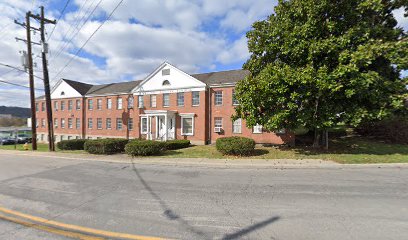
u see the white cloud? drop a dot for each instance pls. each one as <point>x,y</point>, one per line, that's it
<point>237,52</point>
<point>402,20</point>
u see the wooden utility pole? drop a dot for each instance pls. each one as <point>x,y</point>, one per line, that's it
<point>43,21</point>
<point>31,80</point>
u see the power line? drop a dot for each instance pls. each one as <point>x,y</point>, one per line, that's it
<point>62,13</point>
<point>19,85</point>
<point>89,38</point>
<point>18,69</point>
<point>66,44</point>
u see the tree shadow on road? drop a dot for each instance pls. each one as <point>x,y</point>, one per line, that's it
<point>242,232</point>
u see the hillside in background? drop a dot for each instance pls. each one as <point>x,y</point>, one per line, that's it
<point>16,111</point>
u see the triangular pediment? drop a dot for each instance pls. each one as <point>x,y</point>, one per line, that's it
<point>167,78</point>
<point>64,90</point>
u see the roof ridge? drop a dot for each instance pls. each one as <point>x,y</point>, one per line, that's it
<point>231,70</point>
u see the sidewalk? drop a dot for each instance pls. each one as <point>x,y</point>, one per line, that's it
<point>205,162</point>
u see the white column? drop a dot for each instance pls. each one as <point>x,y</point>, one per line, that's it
<point>157,128</point>
<point>166,128</point>
<point>148,127</point>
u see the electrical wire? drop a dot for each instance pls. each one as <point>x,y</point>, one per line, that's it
<point>18,69</point>
<point>89,38</point>
<point>19,85</point>
<point>62,13</point>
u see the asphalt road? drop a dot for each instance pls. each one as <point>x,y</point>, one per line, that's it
<point>205,202</point>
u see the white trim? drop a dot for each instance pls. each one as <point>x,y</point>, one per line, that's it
<point>192,125</point>
<point>172,90</point>
<point>187,114</point>
<point>222,85</point>
<point>141,125</point>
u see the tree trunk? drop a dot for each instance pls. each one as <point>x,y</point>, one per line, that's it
<point>316,140</point>
<point>325,139</point>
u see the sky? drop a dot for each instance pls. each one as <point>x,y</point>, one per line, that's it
<point>195,35</point>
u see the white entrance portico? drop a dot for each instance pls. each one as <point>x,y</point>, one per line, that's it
<point>165,128</point>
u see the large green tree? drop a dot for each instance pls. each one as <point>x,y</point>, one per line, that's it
<point>315,63</point>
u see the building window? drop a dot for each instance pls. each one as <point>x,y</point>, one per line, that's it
<point>36,107</point>
<point>187,125</point>
<point>119,104</point>
<point>218,98</point>
<point>99,104</point>
<point>90,123</point>
<point>237,126</point>
<point>42,122</point>
<point>62,105</point>
<point>62,122</point>
<point>140,101</point>
<point>56,106</point>
<point>143,125</point>
<point>69,137</point>
<point>130,102</point>
<point>90,104</point>
<point>218,122</point>
<point>180,99</point>
<point>257,128</point>
<point>234,98</point>
<point>69,105</point>
<point>43,106</point>
<point>56,122</point>
<point>78,104</point>
<point>195,98</point>
<point>118,123</point>
<point>99,123</point>
<point>166,100</point>
<point>108,123</point>
<point>109,103</point>
<point>153,101</point>
<point>77,123</point>
<point>69,122</point>
<point>77,137</point>
<point>130,124</point>
<point>42,137</point>
<point>166,83</point>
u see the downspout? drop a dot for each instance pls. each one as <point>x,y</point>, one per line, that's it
<point>209,115</point>
<point>83,118</point>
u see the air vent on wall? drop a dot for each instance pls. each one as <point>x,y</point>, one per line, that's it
<point>165,72</point>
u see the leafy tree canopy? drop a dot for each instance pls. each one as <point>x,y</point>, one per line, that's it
<point>315,63</point>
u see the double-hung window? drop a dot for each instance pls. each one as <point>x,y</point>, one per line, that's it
<point>118,123</point>
<point>180,99</point>
<point>90,123</point>
<point>69,105</point>
<point>130,124</point>
<point>108,123</point>
<point>153,101</point>
<point>237,126</point>
<point>195,101</point>
<point>218,98</point>
<point>99,123</point>
<point>119,104</point>
<point>69,122</point>
<point>43,106</point>
<point>130,102</point>
<point>78,104</point>
<point>143,125</point>
<point>56,106</point>
<point>140,101</point>
<point>99,104</point>
<point>218,122</point>
<point>77,123</point>
<point>109,103</point>
<point>234,98</point>
<point>62,122</point>
<point>36,107</point>
<point>257,128</point>
<point>56,122</point>
<point>62,105</point>
<point>187,125</point>
<point>166,99</point>
<point>90,104</point>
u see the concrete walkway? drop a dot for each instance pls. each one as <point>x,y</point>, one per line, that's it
<point>204,162</point>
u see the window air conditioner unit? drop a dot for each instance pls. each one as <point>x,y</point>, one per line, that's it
<point>217,129</point>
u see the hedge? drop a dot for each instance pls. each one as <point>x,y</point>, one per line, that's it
<point>235,145</point>
<point>105,146</point>
<point>177,144</point>
<point>74,144</point>
<point>145,148</point>
<point>393,129</point>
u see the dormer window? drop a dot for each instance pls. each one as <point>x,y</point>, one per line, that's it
<point>166,83</point>
<point>165,72</point>
<point>62,93</point>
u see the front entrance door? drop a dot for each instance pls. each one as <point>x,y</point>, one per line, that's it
<point>162,128</point>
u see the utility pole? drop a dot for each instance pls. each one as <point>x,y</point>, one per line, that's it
<point>43,21</point>
<point>29,66</point>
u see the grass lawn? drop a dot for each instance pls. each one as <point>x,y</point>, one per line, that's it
<point>41,147</point>
<point>342,150</point>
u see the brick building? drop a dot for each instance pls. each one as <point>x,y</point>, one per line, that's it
<point>167,104</point>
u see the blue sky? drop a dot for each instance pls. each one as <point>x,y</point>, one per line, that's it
<point>196,36</point>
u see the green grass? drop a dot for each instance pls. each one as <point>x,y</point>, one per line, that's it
<point>344,150</point>
<point>41,147</point>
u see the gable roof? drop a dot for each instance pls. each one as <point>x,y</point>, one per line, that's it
<point>80,87</point>
<point>224,77</point>
<point>111,88</point>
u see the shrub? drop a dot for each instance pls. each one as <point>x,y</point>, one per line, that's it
<point>105,146</point>
<point>144,148</point>
<point>394,129</point>
<point>74,144</point>
<point>235,145</point>
<point>177,144</point>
